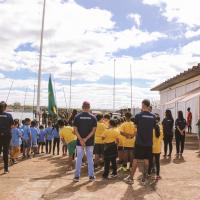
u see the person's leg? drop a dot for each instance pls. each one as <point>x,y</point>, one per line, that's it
<point>170,145</point>
<point>177,143</point>
<point>54,145</point>
<point>50,146</point>
<point>58,146</point>
<point>106,167</point>
<point>182,143</point>
<point>6,143</point>
<point>150,164</point>
<point>157,161</point>
<point>89,154</point>
<point>165,146</point>
<point>146,167</point>
<point>47,146</point>
<point>114,165</point>
<point>134,167</point>
<point>125,159</point>
<point>79,158</point>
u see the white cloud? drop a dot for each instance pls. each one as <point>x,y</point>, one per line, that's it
<point>181,11</point>
<point>191,33</point>
<point>135,17</point>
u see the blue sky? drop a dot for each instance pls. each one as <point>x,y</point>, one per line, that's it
<point>158,38</point>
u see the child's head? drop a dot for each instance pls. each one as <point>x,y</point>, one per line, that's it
<point>33,123</point>
<point>16,123</point>
<point>112,123</point>
<point>157,117</point>
<point>128,116</point>
<point>61,123</point>
<point>41,127</point>
<point>27,121</point>
<point>99,117</point>
<point>107,117</point>
<point>49,123</point>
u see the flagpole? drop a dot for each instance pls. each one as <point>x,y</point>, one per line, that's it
<point>40,63</point>
<point>9,91</point>
<point>114,87</point>
<point>34,101</point>
<point>131,83</point>
<point>65,97</point>
<point>24,103</point>
<point>70,87</point>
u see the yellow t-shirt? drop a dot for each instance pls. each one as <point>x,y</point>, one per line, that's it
<point>157,142</point>
<point>106,123</point>
<point>110,135</point>
<point>129,129</point>
<point>101,127</point>
<point>67,133</point>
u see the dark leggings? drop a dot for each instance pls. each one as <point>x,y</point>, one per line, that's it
<point>154,158</point>
<point>189,129</point>
<point>56,142</point>
<point>168,142</point>
<point>4,144</point>
<point>180,141</point>
<point>107,162</point>
<point>48,146</point>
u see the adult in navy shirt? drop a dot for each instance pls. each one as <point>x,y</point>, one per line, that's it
<point>6,122</point>
<point>145,123</point>
<point>85,126</point>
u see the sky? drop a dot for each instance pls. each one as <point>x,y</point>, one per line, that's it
<point>157,38</point>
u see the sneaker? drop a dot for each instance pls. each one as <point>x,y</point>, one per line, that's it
<point>76,179</point>
<point>92,178</point>
<point>124,169</point>
<point>129,180</point>
<point>113,175</point>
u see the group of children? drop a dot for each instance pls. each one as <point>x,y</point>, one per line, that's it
<point>115,138</point>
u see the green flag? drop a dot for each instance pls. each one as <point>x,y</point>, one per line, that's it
<point>52,108</point>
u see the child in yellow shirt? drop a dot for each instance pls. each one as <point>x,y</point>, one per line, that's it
<point>68,136</point>
<point>99,144</point>
<point>128,132</point>
<point>156,150</point>
<point>110,138</point>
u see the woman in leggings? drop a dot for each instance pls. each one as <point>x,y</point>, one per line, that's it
<point>168,124</point>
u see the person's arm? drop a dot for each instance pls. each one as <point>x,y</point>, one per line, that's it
<point>79,137</point>
<point>90,135</point>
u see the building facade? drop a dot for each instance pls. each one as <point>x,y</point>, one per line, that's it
<point>181,92</point>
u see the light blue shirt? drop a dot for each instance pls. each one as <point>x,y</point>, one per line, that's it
<point>49,133</point>
<point>55,133</point>
<point>16,137</point>
<point>26,132</point>
<point>34,133</point>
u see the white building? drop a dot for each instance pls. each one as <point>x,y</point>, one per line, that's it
<point>181,92</point>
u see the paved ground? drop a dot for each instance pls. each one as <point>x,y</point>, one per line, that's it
<point>45,178</point>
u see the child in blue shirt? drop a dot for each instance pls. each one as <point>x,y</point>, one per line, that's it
<point>49,137</point>
<point>34,138</point>
<point>41,139</point>
<point>26,138</point>
<point>15,141</point>
<point>56,139</point>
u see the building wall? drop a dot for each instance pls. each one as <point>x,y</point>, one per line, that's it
<point>177,91</point>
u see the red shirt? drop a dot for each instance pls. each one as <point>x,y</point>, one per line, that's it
<point>189,118</point>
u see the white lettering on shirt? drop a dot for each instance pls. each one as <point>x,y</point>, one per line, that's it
<point>85,118</point>
<point>147,116</point>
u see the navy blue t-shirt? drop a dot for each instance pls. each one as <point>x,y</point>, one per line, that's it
<point>145,122</point>
<point>6,121</point>
<point>85,122</point>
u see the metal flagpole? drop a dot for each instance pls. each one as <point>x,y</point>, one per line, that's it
<point>34,102</point>
<point>114,87</point>
<point>40,63</point>
<point>9,91</point>
<point>131,82</point>
<point>70,87</point>
<point>24,103</point>
<point>65,97</point>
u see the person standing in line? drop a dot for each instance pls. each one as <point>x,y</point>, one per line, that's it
<point>168,124</point>
<point>85,126</point>
<point>56,139</point>
<point>41,139</point>
<point>34,138</point>
<point>15,142</point>
<point>180,126</point>
<point>6,123</point>
<point>145,123</point>
<point>99,145</point>
<point>49,137</point>
<point>189,120</point>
